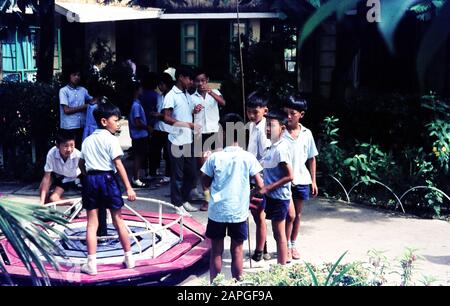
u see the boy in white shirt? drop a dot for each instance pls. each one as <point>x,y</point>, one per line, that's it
<point>61,168</point>
<point>303,151</point>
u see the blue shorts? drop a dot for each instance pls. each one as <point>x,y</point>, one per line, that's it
<point>218,230</point>
<point>300,192</point>
<point>101,190</point>
<point>276,209</point>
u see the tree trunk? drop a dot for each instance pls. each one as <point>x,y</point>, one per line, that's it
<point>46,45</point>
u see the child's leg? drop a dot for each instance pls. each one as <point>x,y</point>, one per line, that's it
<point>279,234</point>
<point>119,224</point>
<point>91,231</point>
<point>290,220</point>
<point>261,228</point>
<point>298,204</point>
<point>136,165</point>
<point>215,258</point>
<point>56,194</point>
<point>237,258</point>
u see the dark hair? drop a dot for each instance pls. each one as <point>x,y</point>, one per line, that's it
<point>184,70</point>
<point>149,80</point>
<point>64,136</point>
<point>200,71</point>
<point>279,115</point>
<point>296,102</point>
<point>230,118</point>
<point>257,99</point>
<point>105,110</point>
<point>166,79</point>
<point>134,86</point>
<point>70,69</point>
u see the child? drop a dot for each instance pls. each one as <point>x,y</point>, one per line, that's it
<point>100,158</point>
<point>208,100</point>
<point>227,173</point>
<point>277,176</point>
<point>97,92</point>
<point>61,168</point>
<point>256,108</point>
<point>303,150</point>
<point>178,110</point>
<point>158,141</point>
<point>139,135</point>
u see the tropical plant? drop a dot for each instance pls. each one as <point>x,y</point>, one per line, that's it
<point>28,228</point>
<point>331,154</point>
<point>392,13</point>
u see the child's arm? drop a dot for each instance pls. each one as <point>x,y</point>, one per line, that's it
<point>172,121</point>
<point>139,123</point>
<point>219,99</point>
<point>288,177</point>
<point>312,170</point>
<point>44,187</point>
<point>123,175</point>
<point>206,181</point>
<point>82,166</point>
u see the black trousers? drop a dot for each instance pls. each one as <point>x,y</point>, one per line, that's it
<point>183,167</point>
<point>158,142</point>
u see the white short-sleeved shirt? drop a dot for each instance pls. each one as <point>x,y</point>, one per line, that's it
<point>303,148</point>
<point>73,97</point>
<point>258,141</point>
<point>277,153</point>
<point>100,149</point>
<point>182,107</point>
<point>208,118</point>
<point>68,169</point>
<point>230,170</point>
<point>160,125</point>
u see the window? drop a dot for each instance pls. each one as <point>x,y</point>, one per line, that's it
<point>19,55</point>
<point>290,55</point>
<point>189,43</point>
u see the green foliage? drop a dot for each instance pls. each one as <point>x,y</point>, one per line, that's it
<point>28,118</point>
<point>377,271</point>
<point>369,164</point>
<point>331,155</point>
<point>27,228</point>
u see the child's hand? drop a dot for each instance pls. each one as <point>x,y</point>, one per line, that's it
<point>131,194</point>
<point>198,108</point>
<point>314,189</point>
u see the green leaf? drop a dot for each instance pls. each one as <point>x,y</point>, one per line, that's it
<point>392,11</point>
<point>434,38</point>
<point>314,280</point>
<point>322,13</point>
<point>334,268</point>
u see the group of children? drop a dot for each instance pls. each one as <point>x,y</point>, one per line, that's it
<point>279,148</point>
<point>273,169</point>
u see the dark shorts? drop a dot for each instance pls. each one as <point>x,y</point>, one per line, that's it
<point>101,190</point>
<point>140,146</point>
<point>300,192</point>
<point>276,210</point>
<point>210,145</point>
<point>218,230</point>
<point>58,182</point>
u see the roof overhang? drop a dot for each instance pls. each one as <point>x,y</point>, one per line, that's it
<point>88,12</point>
<point>252,15</point>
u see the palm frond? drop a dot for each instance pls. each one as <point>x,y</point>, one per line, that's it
<point>27,229</point>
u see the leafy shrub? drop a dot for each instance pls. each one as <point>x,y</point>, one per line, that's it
<point>28,123</point>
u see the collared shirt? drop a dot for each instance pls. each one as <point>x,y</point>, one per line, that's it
<point>182,107</point>
<point>161,125</point>
<point>278,152</point>
<point>100,149</point>
<point>230,170</point>
<point>208,118</point>
<point>73,97</point>
<point>303,148</point>
<point>258,141</point>
<point>137,111</point>
<point>68,169</point>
